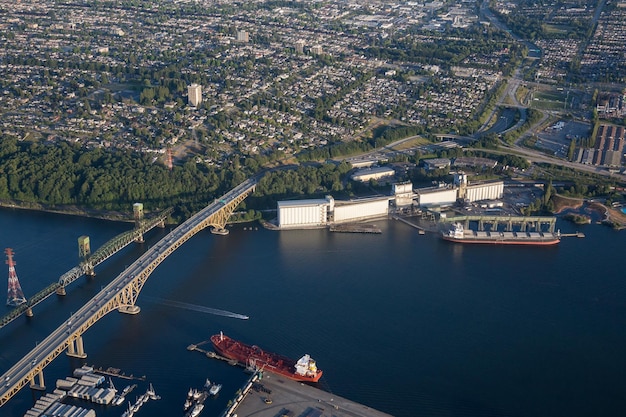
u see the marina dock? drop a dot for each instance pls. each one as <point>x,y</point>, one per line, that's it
<point>118,373</point>
<point>275,396</point>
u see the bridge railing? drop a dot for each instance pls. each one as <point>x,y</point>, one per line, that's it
<point>121,291</point>
<point>111,247</point>
<point>13,314</point>
<point>99,256</point>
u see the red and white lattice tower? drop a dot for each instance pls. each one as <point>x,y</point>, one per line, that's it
<point>15,295</point>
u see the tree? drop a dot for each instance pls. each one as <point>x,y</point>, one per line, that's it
<point>571,149</point>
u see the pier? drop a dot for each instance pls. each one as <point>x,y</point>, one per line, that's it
<point>577,234</point>
<point>117,373</point>
<point>270,395</point>
<point>210,353</point>
<point>420,230</point>
<point>273,395</point>
<point>355,228</point>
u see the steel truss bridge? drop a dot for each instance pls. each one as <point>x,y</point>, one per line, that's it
<point>121,294</point>
<point>87,266</point>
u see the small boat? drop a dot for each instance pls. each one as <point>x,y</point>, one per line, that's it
<point>151,394</point>
<point>197,409</point>
<point>215,388</point>
<point>129,412</point>
<point>207,384</point>
<point>196,394</point>
<point>127,389</point>
<point>118,400</point>
<point>137,405</point>
<point>190,393</point>
<point>188,404</point>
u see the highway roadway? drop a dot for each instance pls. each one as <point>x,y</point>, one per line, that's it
<point>122,291</point>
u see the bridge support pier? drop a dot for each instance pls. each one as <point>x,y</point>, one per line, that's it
<point>78,351</point>
<point>129,309</point>
<point>219,231</point>
<point>29,312</point>
<point>61,291</point>
<point>41,385</point>
<point>139,238</point>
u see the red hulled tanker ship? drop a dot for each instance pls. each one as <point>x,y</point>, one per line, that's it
<point>304,369</point>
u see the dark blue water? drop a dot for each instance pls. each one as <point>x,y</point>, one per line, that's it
<point>407,324</point>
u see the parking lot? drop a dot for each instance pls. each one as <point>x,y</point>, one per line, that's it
<point>556,138</point>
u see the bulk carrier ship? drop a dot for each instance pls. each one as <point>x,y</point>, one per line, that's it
<point>304,370</point>
<point>458,234</point>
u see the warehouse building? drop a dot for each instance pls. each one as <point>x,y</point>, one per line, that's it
<point>374,173</point>
<point>436,196</point>
<point>491,190</point>
<point>304,213</point>
<point>436,163</point>
<point>350,211</point>
<point>486,191</point>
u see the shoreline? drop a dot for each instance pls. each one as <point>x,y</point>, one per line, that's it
<point>565,203</point>
<point>115,216</point>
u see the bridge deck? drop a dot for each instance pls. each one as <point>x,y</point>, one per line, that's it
<point>103,253</point>
<point>121,293</point>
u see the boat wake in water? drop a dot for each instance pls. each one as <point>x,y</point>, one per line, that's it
<point>201,309</point>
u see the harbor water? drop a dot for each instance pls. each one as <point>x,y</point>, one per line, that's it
<point>405,323</point>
